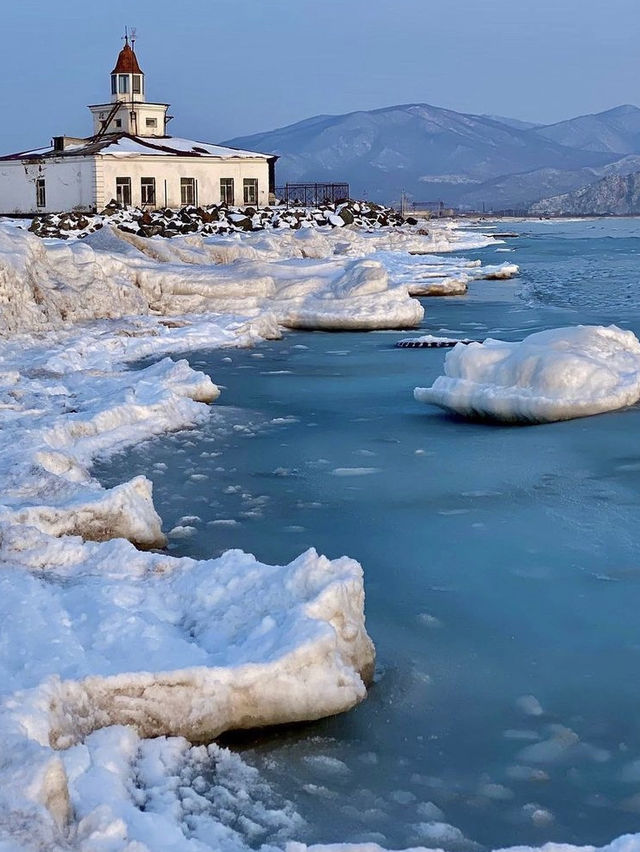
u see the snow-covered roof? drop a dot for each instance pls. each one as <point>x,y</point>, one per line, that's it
<point>173,145</point>
<point>126,145</point>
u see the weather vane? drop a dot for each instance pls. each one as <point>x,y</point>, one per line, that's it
<point>130,34</point>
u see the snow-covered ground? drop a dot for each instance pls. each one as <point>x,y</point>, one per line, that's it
<point>106,643</point>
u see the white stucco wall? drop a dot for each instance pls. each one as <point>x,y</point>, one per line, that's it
<point>137,127</point>
<point>207,173</point>
<point>89,182</point>
<point>69,185</point>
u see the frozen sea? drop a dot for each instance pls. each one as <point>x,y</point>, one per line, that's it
<point>502,563</point>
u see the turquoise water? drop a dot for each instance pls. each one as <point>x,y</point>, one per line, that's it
<point>502,564</point>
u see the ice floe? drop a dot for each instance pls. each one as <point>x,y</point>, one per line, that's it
<point>552,375</point>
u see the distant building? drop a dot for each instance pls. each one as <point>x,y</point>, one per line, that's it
<point>130,158</point>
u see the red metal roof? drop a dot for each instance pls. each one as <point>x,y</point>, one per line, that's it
<point>127,62</point>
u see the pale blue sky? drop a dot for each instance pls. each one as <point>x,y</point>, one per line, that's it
<point>230,67</point>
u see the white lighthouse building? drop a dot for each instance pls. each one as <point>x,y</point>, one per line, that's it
<point>130,158</point>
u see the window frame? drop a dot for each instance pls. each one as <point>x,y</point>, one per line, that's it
<point>151,123</point>
<point>41,193</point>
<point>227,187</point>
<point>148,191</point>
<point>186,184</point>
<point>114,84</point>
<point>136,81</point>
<point>250,187</point>
<point>121,184</point>
<point>123,84</point>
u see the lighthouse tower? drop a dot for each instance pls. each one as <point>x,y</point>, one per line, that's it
<point>128,110</point>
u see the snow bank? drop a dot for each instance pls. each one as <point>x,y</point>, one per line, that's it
<point>163,646</point>
<point>175,646</point>
<point>112,274</point>
<point>553,375</point>
<point>58,417</point>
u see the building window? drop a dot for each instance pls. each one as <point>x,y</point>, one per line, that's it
<point>187,191</point>
<point>123,191</point>
<point>137,84</point>
<point>226,191</point>
<point>118,122</point>
<point>250,186</point>
<point>148,190</point>
<point>41,193</point>
<point>114,84</point>
<point>123,84</point>
<point>151,122</point>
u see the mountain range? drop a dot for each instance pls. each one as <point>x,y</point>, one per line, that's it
<point>473,161</point>
<point>615,195</point>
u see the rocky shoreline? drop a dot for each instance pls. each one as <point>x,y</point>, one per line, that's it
<point>215,219</point>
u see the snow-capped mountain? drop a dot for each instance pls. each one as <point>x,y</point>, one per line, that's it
<point>433,153</point>
<point>615,195</point>
<point>615,131</point>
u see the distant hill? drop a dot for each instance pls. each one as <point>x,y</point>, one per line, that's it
<point>615,131</point>
<point>513,122</point>
<point>616,195</point>
<point>465,160</point>
<point>428,151</point>
<point>522,189</point>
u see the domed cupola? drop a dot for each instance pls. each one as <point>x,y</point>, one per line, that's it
<point>129,111</point>
<point>127,78</point>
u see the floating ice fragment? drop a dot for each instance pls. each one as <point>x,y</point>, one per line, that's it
<point>402,797</point>
<point>552,375</point>
<point>529,705</point>
<point>429,620</point>
<point>182,531</point>
<point>354,471</point>
<point>326,765</point>
<point>565,746</point>
<point>513,734</point>
<point>430,812</point>
<point>526,773</point>
<point>442,835</point>
<point>496,792</point>
<point>539,816</point>
<point>631,772</point>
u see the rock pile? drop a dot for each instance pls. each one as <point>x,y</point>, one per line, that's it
<point>214,219</point>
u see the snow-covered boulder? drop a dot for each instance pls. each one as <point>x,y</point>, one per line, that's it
<point>552,375</point>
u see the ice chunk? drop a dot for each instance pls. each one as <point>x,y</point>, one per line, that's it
<point>552,375</point>
<point>178,646</point>
<point>530,705</point>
